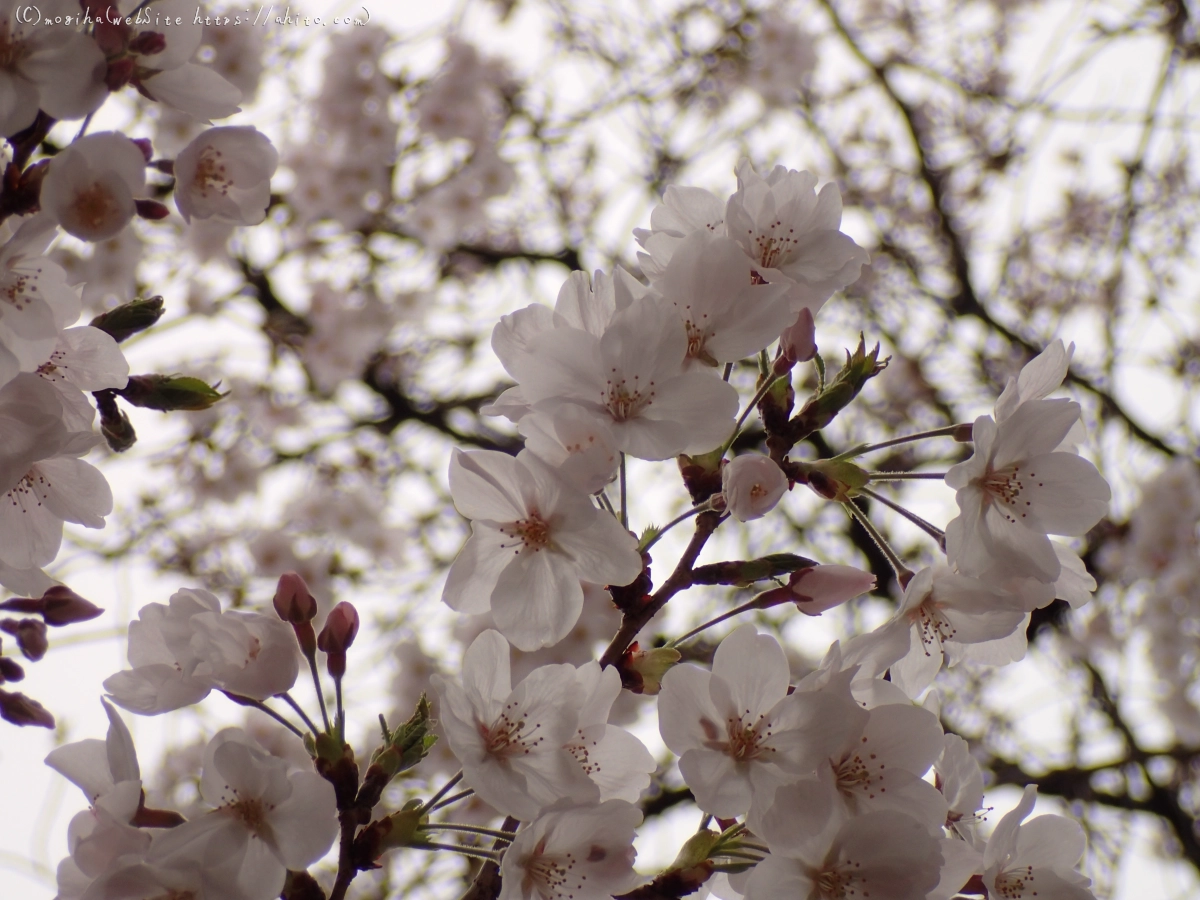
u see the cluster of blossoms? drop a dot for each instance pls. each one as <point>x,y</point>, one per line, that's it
<point>821,787</point>
<point>91,190</point>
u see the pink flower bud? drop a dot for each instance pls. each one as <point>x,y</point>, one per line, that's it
<point>798,342</point>
<point>820,588</point>
<point>62,606</point>
<point>10,670</point>
<point>752,484</point>
<point>21,710</point>
<point>336,637</point>
<point>30,635</point>
<point>293,602</point>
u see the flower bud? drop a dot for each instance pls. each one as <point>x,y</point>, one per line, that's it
<point>129,318</point>
<point>798,342</point>
<point>30,635</point>
<point>151,210</point>
<point>10,669</point>
<point>752,484</point>
<point>62,606</point>
<point>293,602</point>
<point>818,588</point>
<point>836,479</point>
<point>21,710</point>
<point>336,637</point>
<point>169,392</point>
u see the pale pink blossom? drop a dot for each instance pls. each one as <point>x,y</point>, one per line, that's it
<point>512,742</point>
<point>1035,859</point>
<point>738,732</point>
<point>225,174</point>
<point>752,484</point>
<point>90,187</point>
<point>818,852</point>
<point>266,819</point>
<point>96,767</point>
<point>573,853</point>
<point>534,537</point>
<point>615,760</point>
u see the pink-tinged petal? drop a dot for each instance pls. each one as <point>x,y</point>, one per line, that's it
<point>808,727</point>
<point>907,737</point>
<point>617,762</point>
<point>30,534</point>
<point>603,552</point>
<point>537,599</point>
<point>485,484</point>
<point>720,785</point>
<point>486,672</point>
<point>306,823</point>
<point>119,749</point>
<point>1074,584</point>
<point>563,363</point>
<point>154,689</point>
<point>959,862</point>
<point>687,717</point>
<point>1055,842</point>
<point>551,697</point>
<point>461,722</point>
<point>967,547</point>
<point>779,876</point>
<point>983,434</point>
<point>702,404</point>
<point>1025,550</point>
<point>1003,842</point>
<point>512,335</point>
<point>1064,491</point>
<point>84,764</point>
<point>890,854</point>
<point>803,821</point>
<point>917,669</point>
<point>189,840</point>
<point>473,574</point>
<point>195,90</point>
<point>1036,427</point>
<point>755,669</point>
<point>76,491</point>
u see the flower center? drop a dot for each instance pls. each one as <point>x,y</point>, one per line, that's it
<point>533,532</point>
<point>1005,486</point>
<point>550,876</point>
<point>511,735</point>
<point>626,401</point>
<point>745,741</point>
<point>94,206</point>
<point>252,812</point>
<point>1017,884</point>
<point>210,172</point>
<point>771,247</point>
<point>837,884</point>
<point>16,289</point>
<point>932,625</point>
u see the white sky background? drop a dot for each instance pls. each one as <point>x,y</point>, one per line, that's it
<point>35,804</point>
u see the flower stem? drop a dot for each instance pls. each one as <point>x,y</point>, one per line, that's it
<point>341,715</point>
<point>682,517</point>
<point>728,371</point>
<point>903,574</point>
<point>906,476</point>
<point>453,798</point>
<point>458,848</point>
<point>466,829</point>
<point>291,701</point>
<point>928,527</point>
<point>906,439</point>
<point>431,804</point>
<point>624,499</point>
<point>259,705</point>
<point>745,607</point>
<point>316,677</point>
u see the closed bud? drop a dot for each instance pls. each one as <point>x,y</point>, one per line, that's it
<point>21,710</point>
<point>798,343</point>
<point>10,669</point>
<point>129,318</point>
<point>293,602</point>
<point>151,210</point>
<point>62,606</point>
<point>169,392</point>
<point>818,588</point>
<point>335,638</point>
<point>148,43</point>
<point>31,638</point>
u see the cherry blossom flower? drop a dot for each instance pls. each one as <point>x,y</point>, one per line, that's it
<point>616,761</point>
<point>579,446</point>
<point>90,187</point>
<point>791,232</point>
<point>573,853</point>
<point>101,838</point>
<point>940,607</point>
<point>752,484</point>
<point>961,783</point>
<point>245,653</point>
<point>45,483</point>
<point>1035,859</point>
<point>728,313</point>
<point>882,766</point>
<point>738,732</point>
<point>57,69</point>
<point>1017,488</point>
<point>632,377</point>
<point>164,663</point>
<point>266,819</point>
<point>513,742</point>
<point>819,853</point>
<point>534,537</point>
<point>35,301</point>
<point>225,174</point>
<point>84,359</point>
